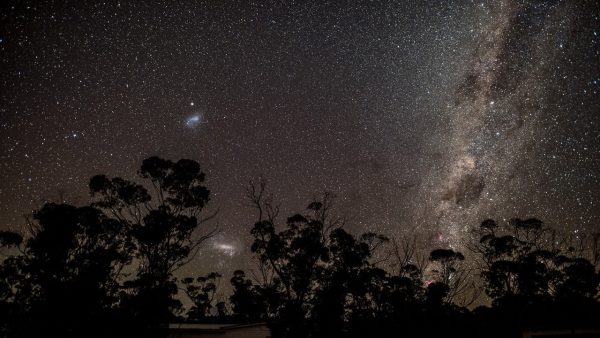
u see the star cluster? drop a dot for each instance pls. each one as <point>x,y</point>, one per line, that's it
<point>422,116</point>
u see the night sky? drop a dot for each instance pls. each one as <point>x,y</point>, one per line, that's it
<point>422,117</point>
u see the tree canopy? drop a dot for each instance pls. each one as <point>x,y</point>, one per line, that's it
<point>112,268</point>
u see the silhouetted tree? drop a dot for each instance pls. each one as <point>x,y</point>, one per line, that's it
<point>349,289</point>
<point>160,225</point>
<point>201,291</point>
<point>66,279</point>
<point>447,261</point>
<point>448,269</point>
<point>109,270</point>
<point>321,274</point>
<point>533,281</point>
<point>249,301</point>
<point>68,275</point>
<point>406,281</point>
<point>520,261</point>
<point>9,239</point>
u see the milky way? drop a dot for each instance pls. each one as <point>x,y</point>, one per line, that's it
<point>496,147</point>
<point>423,117</point>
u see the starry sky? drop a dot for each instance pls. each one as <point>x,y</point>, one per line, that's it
<point>423,117</point>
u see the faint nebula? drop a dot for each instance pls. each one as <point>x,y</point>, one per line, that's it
<point>194,120</point>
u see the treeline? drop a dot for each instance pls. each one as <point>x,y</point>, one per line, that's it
<point>109,269</point>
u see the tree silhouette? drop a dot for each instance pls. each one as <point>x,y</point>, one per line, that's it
<point>293,255</point>
<point>349,288</point>
<point>160,226</point>
<point>201,291</point>
<point>532,280</point>
<point>249,301</point>
<point>10,239</point>
<point>115,262</point>
<point>66,278</point>
<point>524,263</point>
<point>68,274</point>
<point>447,261</point>
<point>449,270</point>
<point>320,273</point>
